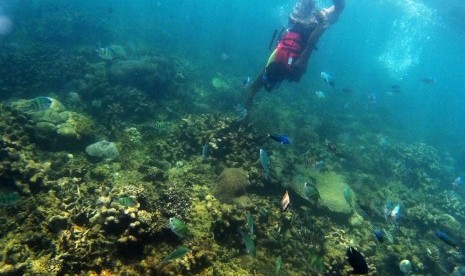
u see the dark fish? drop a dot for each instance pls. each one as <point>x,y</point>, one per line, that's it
<point>346,90</point>
<point>445,238</point>
<point>357,261</point>
<point>379,234</point>
<point>396,88</point>
<point>282,139</point>
<point>428,80</point>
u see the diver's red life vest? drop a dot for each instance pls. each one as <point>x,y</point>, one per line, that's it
<point>289,49</point>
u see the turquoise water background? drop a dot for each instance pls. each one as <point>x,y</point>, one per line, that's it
<point>375,44</point>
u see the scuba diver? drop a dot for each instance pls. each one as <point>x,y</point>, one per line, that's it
<point>290,58</point>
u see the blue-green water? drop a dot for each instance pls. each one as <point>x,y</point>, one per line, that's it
<point>155,93</point>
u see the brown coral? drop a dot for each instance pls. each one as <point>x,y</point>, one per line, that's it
<point>232,183</point>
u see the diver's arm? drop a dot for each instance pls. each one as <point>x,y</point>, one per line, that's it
<point>300,65</point>
<point>311,42</point>
<point>332,13</point>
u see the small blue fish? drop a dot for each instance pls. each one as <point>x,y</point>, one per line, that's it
<point>265,161</point>
<point>379,234</point>
<point>205,151</point>
<point>445,238</point>
<point>327,78</point>
<point>457,181</point>
<point>282,139</point>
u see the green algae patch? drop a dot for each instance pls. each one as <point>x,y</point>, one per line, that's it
<point>220,83</point>
<point>331,188</point>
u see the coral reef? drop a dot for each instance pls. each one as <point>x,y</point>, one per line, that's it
<point>153,75</point>
<point>62,213</point>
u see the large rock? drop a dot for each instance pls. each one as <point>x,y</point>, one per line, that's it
<point>53,126</point>
<point>103,150</point>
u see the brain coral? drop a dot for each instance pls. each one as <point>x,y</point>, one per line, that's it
<point>232,183</point>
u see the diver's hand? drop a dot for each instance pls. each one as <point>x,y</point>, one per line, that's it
<point>298,68</point>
